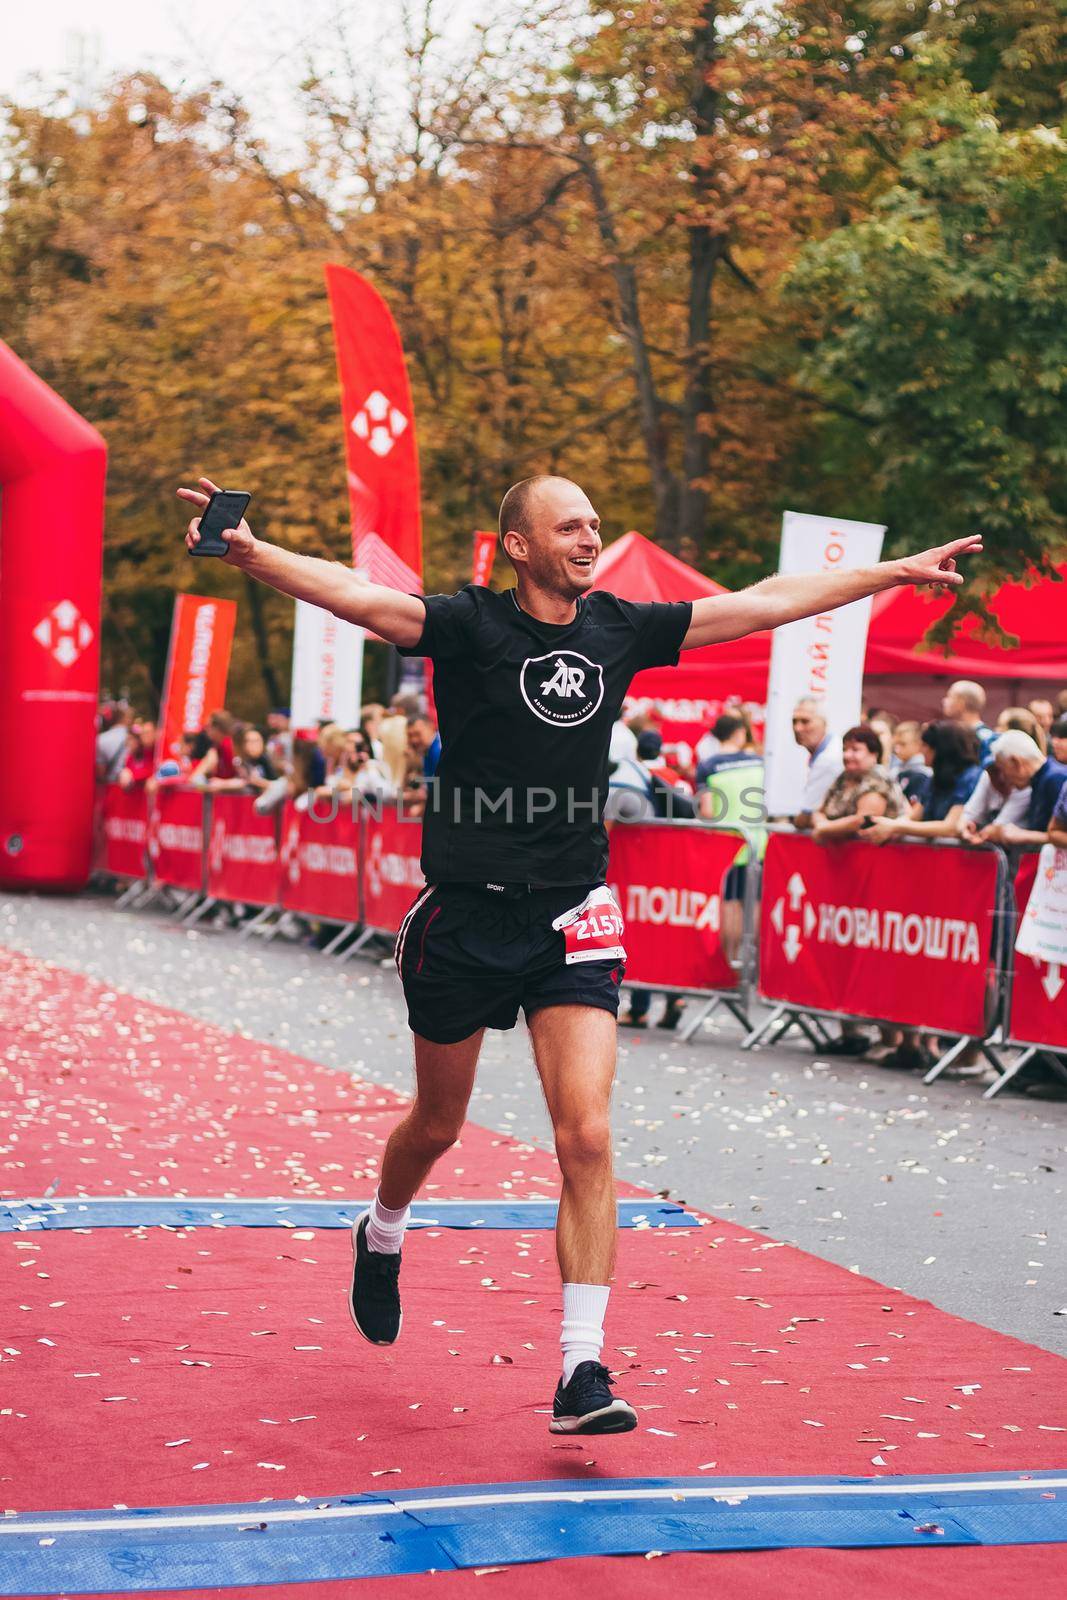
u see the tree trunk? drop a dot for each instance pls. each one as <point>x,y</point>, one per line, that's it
<point>664,485</point>
<point>259,629</point>
<point>705,250</point>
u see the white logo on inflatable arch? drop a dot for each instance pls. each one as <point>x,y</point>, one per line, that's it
<point>379,423</point>
<point>64,633</point>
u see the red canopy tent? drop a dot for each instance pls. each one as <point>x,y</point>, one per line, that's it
<point>895,672</point>
<point>1037,615</point>
<point>686,699</point>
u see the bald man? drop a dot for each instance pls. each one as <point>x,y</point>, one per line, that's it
<point>516,915</point>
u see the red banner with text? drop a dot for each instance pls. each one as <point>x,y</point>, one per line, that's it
<point>392,876</point>
<point>125,831</point>
<point>900,932</point>
<point>1039,988</point>
<point>243,860</point>
<point>176,837</point>
<point>320,861</point>
<point>482,559</point>
<point>198,664</point>
<point>668,880</point>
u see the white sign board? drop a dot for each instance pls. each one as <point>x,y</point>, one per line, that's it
<point>1043,926</point>
<point>821,656</point>
<point>327,669</point>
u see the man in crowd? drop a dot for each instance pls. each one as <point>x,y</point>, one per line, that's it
<point>424,742</point>
<point>516,914</point>
<point>111,742</point>
<point>219,761</point>
<point>964,702</point>
<point>1022,766</point>
<point>824,756</point>
<point>733,796</point>
<point>140,761</point>
<point>1057,738</point>
<point>279,738</point>
<point>911,770</point>
<point>1044,712</point>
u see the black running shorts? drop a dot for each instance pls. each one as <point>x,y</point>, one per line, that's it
<point>470,957</point>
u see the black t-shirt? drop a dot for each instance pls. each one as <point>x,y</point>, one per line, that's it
<point>526,710</point>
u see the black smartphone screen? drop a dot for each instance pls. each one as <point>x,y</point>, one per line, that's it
<point>224,510</point>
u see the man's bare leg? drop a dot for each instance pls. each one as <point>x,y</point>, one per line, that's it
<point>574,1047</point>
<point>444,1078</point>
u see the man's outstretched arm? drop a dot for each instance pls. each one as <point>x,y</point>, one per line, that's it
<point>786,598</point>
<point>390,613</point>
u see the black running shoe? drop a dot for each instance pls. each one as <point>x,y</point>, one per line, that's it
<point>585,1405</point>
<point>375,1298</point>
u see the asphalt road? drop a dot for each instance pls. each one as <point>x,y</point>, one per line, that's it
<point>930,1190</point>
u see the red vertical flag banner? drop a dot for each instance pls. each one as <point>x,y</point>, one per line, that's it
<point>379,419</point>
<point>484,551</point>
<point>198,664</point>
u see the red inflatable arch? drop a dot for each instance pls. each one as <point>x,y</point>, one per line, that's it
<point>52,469</point>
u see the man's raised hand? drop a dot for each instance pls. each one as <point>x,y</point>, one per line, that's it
<point>241,539</point>
<point>939,566</point>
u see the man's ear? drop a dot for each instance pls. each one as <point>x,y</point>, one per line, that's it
<point>515,547</point>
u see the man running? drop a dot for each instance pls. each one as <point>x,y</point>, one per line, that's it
<point>515,914</point>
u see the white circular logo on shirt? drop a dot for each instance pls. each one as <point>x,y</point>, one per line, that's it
<point>562,687</point>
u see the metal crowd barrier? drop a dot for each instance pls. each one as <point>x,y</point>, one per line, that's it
<point>386,883</point>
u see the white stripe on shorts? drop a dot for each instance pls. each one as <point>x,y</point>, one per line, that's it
<point>398,948</point>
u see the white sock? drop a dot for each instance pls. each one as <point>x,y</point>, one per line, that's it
<point>582,1337</point>
<point>385,1228</point>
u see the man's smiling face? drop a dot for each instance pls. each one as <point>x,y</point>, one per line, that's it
<point>561,548</point>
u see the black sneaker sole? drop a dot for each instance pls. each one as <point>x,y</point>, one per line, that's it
<point>351,1298</point>
<point>616,1418</point>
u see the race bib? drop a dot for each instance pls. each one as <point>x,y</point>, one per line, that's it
<point>593,931</point>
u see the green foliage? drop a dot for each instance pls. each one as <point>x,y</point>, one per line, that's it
<point>941,323</point>
<point>710,258</point>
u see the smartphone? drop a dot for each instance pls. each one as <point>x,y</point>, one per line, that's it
<point>224,510</point>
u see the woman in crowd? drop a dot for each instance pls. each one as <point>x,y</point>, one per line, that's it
<point>140,761</point>
<point>1057,738</point>
<point>952,753</point>
<point>360,773</point>
<point>863,793</point>
<point>864,790</point>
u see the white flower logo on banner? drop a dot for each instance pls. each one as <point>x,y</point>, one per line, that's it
<point>379,423</point>
<point>796,891</point>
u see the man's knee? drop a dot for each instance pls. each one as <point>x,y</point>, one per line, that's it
<point>583,1143</point>
<point>434,1131</point>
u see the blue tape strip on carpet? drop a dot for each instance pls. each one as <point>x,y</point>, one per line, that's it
<point>377,1535</point>
<point>151,1211</point>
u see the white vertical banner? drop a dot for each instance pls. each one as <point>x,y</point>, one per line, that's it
<point>327,668</point>
<point>820,656</point>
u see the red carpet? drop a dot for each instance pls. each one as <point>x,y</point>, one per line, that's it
<point>742,1356</point>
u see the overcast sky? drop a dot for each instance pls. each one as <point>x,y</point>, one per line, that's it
<point>258,46</point>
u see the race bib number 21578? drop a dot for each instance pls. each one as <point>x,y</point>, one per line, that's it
<point>594,930</point>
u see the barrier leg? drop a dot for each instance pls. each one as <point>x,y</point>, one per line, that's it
<point>737,1010</point>
<point>186,903</point>
<point>199,911</point>
<point>131,894</point>
<point>947,1059</point>
<point>699,1015</point>
<point>254,924</point>
<point>339,938</point>
<point>1007,1073</point>
<point>357,944</point>
<point>753,1038</point>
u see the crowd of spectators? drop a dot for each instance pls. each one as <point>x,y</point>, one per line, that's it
<point>390,755</point>
<point>954,778</point>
